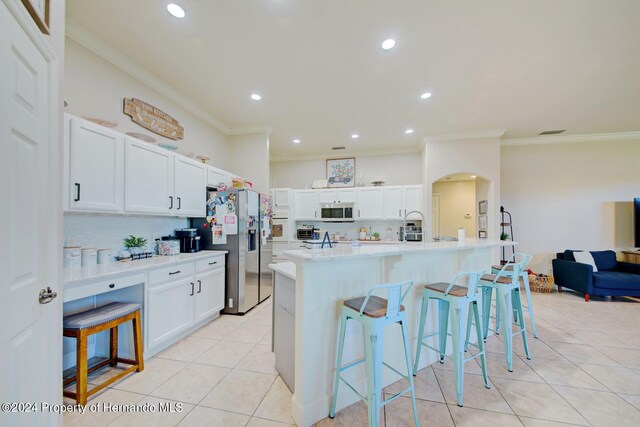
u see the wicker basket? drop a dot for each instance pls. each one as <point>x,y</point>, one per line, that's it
<point>540,283</point>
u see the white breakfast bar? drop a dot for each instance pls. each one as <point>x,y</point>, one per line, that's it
<point>326,277</point>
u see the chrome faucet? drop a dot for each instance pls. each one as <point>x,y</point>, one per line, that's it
<point>404,224</point>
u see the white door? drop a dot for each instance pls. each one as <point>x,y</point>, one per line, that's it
<point>347,195</point>
<point>413,201</point>
<point>31,215</point>
<point>281,197</point>
<point>96,158</point>
<point>327,196</point>
<point>306,206</point>
<point>216,177</point>
<point>148,183</point>
<point>170,310</point>
<point>393,203</point>
<point>190,191</point>
<point>370,203</point>
<point>209,294</point>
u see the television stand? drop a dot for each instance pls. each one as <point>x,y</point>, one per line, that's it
<point>632,256</point>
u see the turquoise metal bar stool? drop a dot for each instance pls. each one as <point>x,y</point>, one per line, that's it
<point>508,301</point>
<point>375,313</point>
<point>524,259</point>
<point>460,303</point>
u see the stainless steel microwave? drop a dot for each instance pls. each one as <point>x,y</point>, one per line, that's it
<point>336,212</point>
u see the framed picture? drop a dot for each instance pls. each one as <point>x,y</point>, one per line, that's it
<point>482,222</point>
<point>482,207</point>
<point>39,11</point>
<point>482,234</point>
<point>341,172</point>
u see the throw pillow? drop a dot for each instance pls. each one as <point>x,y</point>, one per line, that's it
<point>585,257</point>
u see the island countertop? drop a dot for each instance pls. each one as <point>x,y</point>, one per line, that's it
<point>347,250</point>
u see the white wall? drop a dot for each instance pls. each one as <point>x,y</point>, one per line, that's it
<point>394,169</point>
<point>457,199</point>
<point>95,87</point>
<point>571,195</point>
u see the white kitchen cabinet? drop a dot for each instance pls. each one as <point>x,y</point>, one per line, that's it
<point>189,187</point>
<point>393,207</point>
<point>327,196</point>
<point>95,162</point>
<point>149,182</point>
<point>412,200</point>
<point>209,294</point>
<point>306,205</point>
<point>336,195</point>
<point>216,176</point>
<point>370,203</point>
<point>347,195</point>
<point>170,311</point>
<point>281,197</point>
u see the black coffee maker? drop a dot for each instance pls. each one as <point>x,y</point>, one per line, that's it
<point>189,240</point>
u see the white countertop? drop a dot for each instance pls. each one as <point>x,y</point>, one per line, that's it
<point>287,269</point>
<point>114,269</point>
<point>346,250</point>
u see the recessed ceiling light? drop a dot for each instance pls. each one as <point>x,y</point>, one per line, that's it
<point>408,131</point>
<point>296,141</point>
<point>473,176</point>
<point>388,44</point>
<point>355,136</point>
<point>256,97</point>
<point>175,10</point>
<point>425,95</point>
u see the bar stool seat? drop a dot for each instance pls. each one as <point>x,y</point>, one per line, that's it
<point>375,313</point>
<point>107,317</point>
<point>376,307</point>
<point>502,280</point>
<point>456,290</point>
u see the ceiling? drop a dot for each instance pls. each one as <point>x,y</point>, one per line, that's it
<point>498,64</point>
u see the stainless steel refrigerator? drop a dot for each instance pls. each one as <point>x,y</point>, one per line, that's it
<point>248,277</point>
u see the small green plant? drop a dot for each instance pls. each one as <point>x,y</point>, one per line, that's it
<point>134,242</point>
<point>504,236</point>
<point>376,235</point>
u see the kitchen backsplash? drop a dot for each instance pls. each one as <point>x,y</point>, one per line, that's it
<point>350,229</point>
<point>108,231</point>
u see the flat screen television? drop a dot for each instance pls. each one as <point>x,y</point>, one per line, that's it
<point>636,221</point>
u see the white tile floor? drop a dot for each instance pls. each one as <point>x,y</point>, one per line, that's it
<point>585,371</point>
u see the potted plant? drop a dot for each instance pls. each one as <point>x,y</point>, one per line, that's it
<point>135,244</point>
<point>376,236</point>
<point>504,236</point>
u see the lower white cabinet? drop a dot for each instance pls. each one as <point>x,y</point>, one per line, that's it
<point>170,310</point>
<point>209,294</point>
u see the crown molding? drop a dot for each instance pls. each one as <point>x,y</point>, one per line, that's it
<point>564,139</point>
<point>98,46</point>
<point>345,153</point>
<point>481,134</point>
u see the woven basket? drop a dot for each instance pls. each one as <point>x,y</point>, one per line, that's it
<point>540,283</point>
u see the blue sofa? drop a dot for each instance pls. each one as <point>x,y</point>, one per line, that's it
<point>613,278</point>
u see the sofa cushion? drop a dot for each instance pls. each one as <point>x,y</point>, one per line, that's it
<point>615,280</point>
<point>568,254</point>
<point>605,260</point>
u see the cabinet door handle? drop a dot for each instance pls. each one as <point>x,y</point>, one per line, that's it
<point>359,213</point>
<point>113,285</point>
<point>315,214</point>
<point>199,286</point>
<point>192,289</point>
<point>77,199</point>
<point>214,262</point>
<point>174,272</point>
<point>400,212</point>
<point>179,203</point>
<point>171,200</point>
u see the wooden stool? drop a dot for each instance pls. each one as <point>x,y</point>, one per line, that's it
<point>82,325</point>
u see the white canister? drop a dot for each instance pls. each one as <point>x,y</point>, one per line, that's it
<point>461,235</point>
<point>104,256</point>
<point>89,257</point>
<point>72,257</point>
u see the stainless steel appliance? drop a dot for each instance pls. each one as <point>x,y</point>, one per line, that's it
<point>336,212</point>
<point>411,233</point>
<point>248,278</point>
<point>189,240</point>
<point>304,233</point>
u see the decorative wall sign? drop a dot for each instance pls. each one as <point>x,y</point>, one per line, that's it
<point>341,172</point>
<point>39,11</point>
<point>482,207</point>
<point>152,118</point>
<point>482,222</point>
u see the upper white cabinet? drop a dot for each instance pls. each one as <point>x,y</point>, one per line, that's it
<point>216,176</point>
<point>327,196</point>
<point>370,203</point>
<point>306,205</point>
<point>281,197</point>
<point>96,176</point>
<point>393,207</point>
<point>189,187</point>
<point>337,195</point>
<point>412,200</point>
<point>149,183</point>
<point>347,195</point>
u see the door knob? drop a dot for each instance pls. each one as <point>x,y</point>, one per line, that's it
<point>47,295</point>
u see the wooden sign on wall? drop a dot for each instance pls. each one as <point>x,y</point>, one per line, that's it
<point>152,118</point>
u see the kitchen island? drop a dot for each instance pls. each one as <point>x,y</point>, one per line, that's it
<point>327,276</point>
